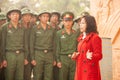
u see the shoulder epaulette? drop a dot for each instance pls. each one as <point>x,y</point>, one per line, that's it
<point>63,32</point>
<point>9,26</point>
<point>73,31</point>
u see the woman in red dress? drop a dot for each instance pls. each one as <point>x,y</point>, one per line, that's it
<point>89,51</point>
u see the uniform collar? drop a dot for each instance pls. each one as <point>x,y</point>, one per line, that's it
<point>64,31</point>
<point>10,25</point>
<point>39,26</point>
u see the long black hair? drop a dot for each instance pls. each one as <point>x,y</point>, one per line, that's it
<point>91,24</point>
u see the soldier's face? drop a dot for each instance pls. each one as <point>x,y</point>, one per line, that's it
<point>26,18</point>
<point>2,22</point>
<point>44,18</point>
<point>68,23</point>
<point>14,16</point>
<point>83,25</point>
<point>33,19</point>
<point>54,19</point>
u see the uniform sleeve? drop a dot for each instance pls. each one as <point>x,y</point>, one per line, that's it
<point>0,45</point>
<point>32,41</point>
<point>26,44</point>
<point>54,45</point>
<point>57,47</point>
<point>3,39</point>
<point>97,48</point>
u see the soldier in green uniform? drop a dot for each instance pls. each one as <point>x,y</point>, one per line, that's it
<point>66,45</point>
<point>25,22</point>
<point>42,48</point>
<point>54,23</point>
<point>2,21</point>
<point>55,20</point>
<point>33,20</point>
<point>13,45</point>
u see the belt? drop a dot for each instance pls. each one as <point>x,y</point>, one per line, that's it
<point>45,50</point>
<point>16,51</point>
<point>68,55</point>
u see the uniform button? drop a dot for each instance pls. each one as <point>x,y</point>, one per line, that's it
<point>84,61</point>
<point>82,51</point>
<point>93,64</point>
<point>85,70</point>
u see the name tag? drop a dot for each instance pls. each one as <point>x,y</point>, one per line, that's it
<point>38,32</point>
<point>63,36</point>
<point>10,31</point>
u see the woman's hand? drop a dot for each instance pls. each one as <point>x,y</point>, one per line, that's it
<point>89,55</point>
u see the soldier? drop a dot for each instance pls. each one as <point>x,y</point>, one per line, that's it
<point>54,22</point>
<point>2,21</point>
<point>42,48</point>
<point>25,20</point>
<point>77,23</point>
<point>13,46</point>
<point>33,20</point>
<point>66,45</point>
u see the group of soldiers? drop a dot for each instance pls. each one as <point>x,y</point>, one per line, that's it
<point>36,44</point>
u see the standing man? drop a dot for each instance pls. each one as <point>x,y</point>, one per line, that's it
<point>25,20</point>
<point>13,46</point>
<point>54,22</point>
<point>2,21</point>
<point>66,45</point>
<point>33,20</point>
<point>42,48</point>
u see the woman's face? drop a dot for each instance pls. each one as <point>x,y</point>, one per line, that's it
<point>83,25</point>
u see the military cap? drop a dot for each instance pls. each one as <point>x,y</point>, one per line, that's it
<point>55,13</point>
<point>25,11</point>
<point>84,13</point>
<point>78,18</point>
<point>13,9</point>
<point>67,16</point>
<point>44,12</point>
<point>2,16</point>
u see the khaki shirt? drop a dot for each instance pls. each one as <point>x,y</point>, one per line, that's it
<point>41,39</point>
<point>13,38</point>
<point>66,43</point>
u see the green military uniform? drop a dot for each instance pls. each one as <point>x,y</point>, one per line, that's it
<point>66,45</point>
<point>28,67</point>
<point>14,50</point>
<point>42,51</point>
<point>57,28</point>
<point>2,21</point>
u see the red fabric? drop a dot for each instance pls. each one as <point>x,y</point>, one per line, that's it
<point>88,69</point>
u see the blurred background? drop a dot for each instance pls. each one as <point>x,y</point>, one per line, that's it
<point>76,6</point>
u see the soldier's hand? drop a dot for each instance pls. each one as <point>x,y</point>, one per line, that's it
<point>74,55</point>
<point>1,65</point>
<point>59,64</point>
<point>54,63</point>
<point>33,62</point>
<point>4,63</point>
<point>26,62</point>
